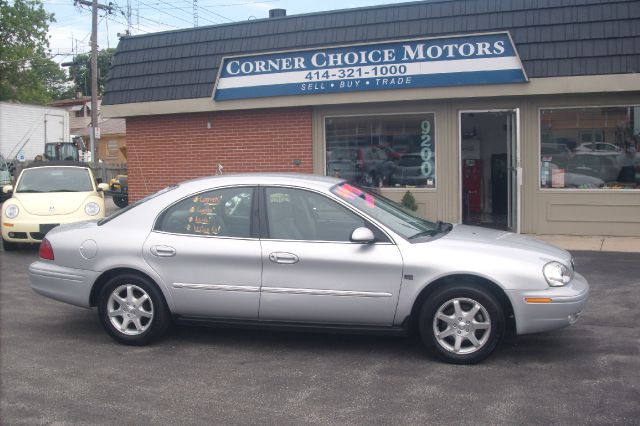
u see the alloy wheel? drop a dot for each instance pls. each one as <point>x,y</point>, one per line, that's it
<point>462,326</point>
<point>130,309</point>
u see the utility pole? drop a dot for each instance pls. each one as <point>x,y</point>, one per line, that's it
<point>129,17</point>
<point>94,69</point>
<point>195,13</point>
<point>94,79</point>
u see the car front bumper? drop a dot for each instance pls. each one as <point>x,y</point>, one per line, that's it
<point>30,231</point>
<point>566,306</point>
<point>68,285</point>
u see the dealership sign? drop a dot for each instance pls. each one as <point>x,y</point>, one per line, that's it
<point>435,62</point>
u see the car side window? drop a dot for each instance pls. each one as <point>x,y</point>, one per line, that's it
<point>222,213</point>
<point>294,214</point>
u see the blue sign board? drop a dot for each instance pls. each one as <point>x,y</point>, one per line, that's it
<point>432,62</point>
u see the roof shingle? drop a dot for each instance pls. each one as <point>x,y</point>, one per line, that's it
<point>553,37</point>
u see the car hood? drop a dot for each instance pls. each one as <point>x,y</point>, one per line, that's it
<point>506,240</point>
<point>52,203</point>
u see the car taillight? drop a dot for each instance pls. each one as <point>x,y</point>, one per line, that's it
<point>46,251</point>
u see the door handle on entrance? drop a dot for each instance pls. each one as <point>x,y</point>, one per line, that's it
<point>163,251</point>
<point>282,257</point>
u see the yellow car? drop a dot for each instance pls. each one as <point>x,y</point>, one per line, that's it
<point>47,195</point>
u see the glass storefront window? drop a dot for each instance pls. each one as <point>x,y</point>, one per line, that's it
<point>590,148</point>
<point>382,150</point>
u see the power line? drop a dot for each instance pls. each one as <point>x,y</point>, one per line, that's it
<point>194,11</point>
<point>222,5</point>
<point>211,12</point>
<point>144,25</point>
<point>152,29</point>
<point>167,13</point>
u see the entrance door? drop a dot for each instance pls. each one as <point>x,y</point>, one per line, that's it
<point>489,168</point>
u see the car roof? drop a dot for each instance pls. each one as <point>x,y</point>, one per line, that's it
<point>56,163</point>
<point>293,179</point>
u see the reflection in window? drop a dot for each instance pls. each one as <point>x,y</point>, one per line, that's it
<point>382,151</point>
<point>112,148</point>
<point>590,148</point>
<point>294,214</point>
<point>219,213</point>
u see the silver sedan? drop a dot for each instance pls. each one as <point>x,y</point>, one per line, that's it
<point>303,251</point>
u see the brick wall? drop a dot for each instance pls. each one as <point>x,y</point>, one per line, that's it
<point>167,149</point>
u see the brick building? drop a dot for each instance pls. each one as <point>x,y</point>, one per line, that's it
<point>112,144</point>
<point>514,114</point>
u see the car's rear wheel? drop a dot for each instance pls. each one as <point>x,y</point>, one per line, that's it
<point>9,245</point>
<point>461,324</point>
<point>133,310</point>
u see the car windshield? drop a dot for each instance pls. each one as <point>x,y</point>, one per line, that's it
<point>387,212</point>
<point>55,179</point>
<point>137,203</point>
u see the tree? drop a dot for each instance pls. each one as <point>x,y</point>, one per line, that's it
<point>409,201</point>
<point>80,71</point>
<point>27,73</point>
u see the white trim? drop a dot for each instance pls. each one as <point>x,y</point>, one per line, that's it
<point>322,292</point>
<point>542,190</point>
<point>219,287</point>
<point>611,83</point>
<point>412,69</point>
<point>519,171</point>
<point>516,111</point>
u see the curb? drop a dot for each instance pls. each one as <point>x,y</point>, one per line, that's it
<point>593,243</point>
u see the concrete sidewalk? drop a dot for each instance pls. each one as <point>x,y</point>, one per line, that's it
<point>593,243</point>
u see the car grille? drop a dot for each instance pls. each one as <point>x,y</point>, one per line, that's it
<point>37,235</point>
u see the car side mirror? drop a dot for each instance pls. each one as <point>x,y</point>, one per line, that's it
<point>103,187</point>
<point>362,235</point>
<point>7,189</point>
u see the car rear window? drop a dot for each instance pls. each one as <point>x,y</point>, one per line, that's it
<point>55,179</point>
<point>136,204</point>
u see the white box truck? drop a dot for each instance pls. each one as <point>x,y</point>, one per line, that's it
<point>25,129</point>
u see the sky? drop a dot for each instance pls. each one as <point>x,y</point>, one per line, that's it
<point>72,30</point>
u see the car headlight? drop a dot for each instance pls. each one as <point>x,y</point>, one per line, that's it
<point>557,274</point>
<point>92,209</point>
<point>12,211</point>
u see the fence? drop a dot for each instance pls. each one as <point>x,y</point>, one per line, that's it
<point>103,172</point>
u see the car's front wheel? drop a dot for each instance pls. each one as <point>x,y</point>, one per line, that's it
<point>461,324</point>
<point>9,245</point>
<point>133,310</point>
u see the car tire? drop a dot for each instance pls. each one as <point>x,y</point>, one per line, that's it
<point>9,245</point>
<point>133,310</point>
<point>120,201</point>
<point>461,324</point>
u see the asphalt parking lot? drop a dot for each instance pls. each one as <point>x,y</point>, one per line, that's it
<point>59,367</point>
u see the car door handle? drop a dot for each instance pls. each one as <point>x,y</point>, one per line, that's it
<point>163,251</point>
<point>282,257</point>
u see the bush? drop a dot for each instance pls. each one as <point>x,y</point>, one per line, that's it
<point>409,201</point>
